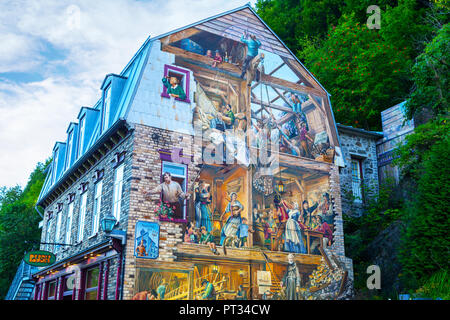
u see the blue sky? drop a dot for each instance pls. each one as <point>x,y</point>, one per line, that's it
<point>54,55</point>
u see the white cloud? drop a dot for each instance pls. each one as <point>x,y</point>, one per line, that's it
<point>93,38</point>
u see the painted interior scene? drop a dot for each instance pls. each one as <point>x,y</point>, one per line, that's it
<point>219,214</point>
<point>292,211</point>
<point>283,108</point>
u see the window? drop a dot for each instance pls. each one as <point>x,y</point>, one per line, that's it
<point>82,217</point>
<point>183,77</point>
<point>51,291</point>
<point>97,206</point>
<point>81,135</point>
<point>58,227</point>
<point>69,224</point>
<point>179,175</point>
<point>357,180</point>
<point>67,291</point>
<point>47,235</point>
<point>106,107</point>
<point>69,150</point>
<point>117,193</point>
<point>92,282</point>
<point>55,165</point>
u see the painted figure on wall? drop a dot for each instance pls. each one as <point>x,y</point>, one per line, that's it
<point>291,280</point>
<point>202,206</point>
<point>307,212</point>
<point>190,235</point>
<point>171,193</point>
<point>209,293</point>
<point>231,229</point>
<point>293,236</point>
<point>326,209</point>
<point>146,295</point>
<point>141,251</point>
<point>253,45</point>
<point>174,88</point>
<point>161,290</point>
<point>208,239</point>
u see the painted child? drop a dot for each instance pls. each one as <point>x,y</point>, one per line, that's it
<point>207,238</point>
<point>173,87</point>
<point>217,59</point>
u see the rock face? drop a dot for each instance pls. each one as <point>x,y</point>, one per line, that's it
<point>383,252</point>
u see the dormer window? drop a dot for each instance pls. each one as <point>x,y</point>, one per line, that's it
<point>81,135</point>
<point>106,107</point>
<point>55,164</point>
<point>69,150</point>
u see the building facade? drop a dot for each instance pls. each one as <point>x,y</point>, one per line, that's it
<point>359,177</point>
<point>395,130</point>
<point>216,156</point>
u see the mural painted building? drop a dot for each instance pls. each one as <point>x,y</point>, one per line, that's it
<point>215,154</point>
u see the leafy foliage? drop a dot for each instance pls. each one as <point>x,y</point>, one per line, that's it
<point>430,76</point>
<point>425,248</point>
<point>360,232</point>
<point>19,225</point>
<point>363,72</point>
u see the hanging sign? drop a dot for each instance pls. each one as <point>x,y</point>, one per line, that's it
<point>39,258</point>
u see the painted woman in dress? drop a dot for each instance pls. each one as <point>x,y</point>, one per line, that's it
<point>234,221</point>
<point>293,235</point>
<point>202,210</point>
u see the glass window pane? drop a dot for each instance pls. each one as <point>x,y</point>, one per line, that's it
<point>91,295</point>
<point>92,278</point>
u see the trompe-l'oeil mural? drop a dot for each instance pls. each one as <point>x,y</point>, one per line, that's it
<point>258,107</point>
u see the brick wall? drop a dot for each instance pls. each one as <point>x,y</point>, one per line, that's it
<point>146,174</point>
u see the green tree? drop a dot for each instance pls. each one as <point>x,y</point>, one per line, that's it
<point>19,230</point>
<point>425,246</point>
<point>430,76</point>
<point>363,72</point>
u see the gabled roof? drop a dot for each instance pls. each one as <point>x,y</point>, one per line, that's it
<point>132,73</point>
<point>195,24</point>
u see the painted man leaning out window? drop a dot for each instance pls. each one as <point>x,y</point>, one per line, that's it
<point>173,87</point>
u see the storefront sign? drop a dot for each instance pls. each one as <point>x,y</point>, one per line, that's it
<point>39,258</point>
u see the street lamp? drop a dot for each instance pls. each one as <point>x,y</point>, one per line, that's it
<point>108,223</point>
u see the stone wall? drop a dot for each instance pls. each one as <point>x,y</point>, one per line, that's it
<point>107,163</point>
<point>364,148</point>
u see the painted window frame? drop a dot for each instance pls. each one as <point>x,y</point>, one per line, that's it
<point>49,283</point>
<point>47,233</point>
<point>99,281</point>
<point>58,228</point>
<point>117,194</point>
<point>357,180</point>
<point>185,177</point>
<point>186,84</point>
<point>96,210</point>
<point>68,237</point>
<point>82,217</point>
